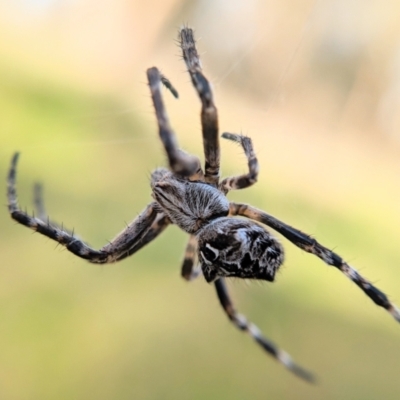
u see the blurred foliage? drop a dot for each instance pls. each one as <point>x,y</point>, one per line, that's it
<point>72,330</point>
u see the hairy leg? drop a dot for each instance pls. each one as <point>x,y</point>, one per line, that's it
<point>180,162</point>
<point>167,83</point>
<point>246,180</point>
<point>209,114</point>
<point>40,209</point>
<point>243,324</point>
<point>132,236</point>
<point>309,244</point>
<point>157,227</point>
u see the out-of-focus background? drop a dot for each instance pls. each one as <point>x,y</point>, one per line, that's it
<point>316,84</point>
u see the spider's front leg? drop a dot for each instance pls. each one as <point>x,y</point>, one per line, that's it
<point>144,228</point>
<point>209,114</point>
<point>157,227</point>
<point>179,162</point>
<point>243,324</point>
<point>40,209</point>
<point>159,224</point>
<point>309,244</point>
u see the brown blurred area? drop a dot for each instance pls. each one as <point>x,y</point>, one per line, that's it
<point>316,84</point>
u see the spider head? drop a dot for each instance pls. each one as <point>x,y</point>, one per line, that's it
<point>232,247</point>
<point>190,205</point>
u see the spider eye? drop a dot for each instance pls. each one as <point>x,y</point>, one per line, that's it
<point>209,254</point>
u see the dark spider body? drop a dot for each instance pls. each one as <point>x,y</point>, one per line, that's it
<point>195,200</point>
<point>232,247</point>
<point>227,247</point>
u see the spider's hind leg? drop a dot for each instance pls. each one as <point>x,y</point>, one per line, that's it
<point>138,233</point>
<point>310,245</point>
<point>160,223</point>
<point>40,209</point>
<point>244,325</point>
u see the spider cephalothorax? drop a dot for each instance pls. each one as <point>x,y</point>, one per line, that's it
<point>188,204</point>
<point>227,247</point>
<point>195,200</point>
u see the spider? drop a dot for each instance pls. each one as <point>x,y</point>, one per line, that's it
<point>195,200</point>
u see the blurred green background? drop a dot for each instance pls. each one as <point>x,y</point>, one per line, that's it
<point>316,84</point>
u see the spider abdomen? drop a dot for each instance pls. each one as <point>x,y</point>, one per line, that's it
<point>232,247</point>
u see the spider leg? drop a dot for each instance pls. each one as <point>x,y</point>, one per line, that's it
<point>130,237</point>
<point>40,209</point>
<point>167,83</point>
<point>209,115</point>
<point>180,162</point>
<point>243,324</point>
<point>190,270</point>
<point>246,180</point>
<point>309,244</point>
<point>158,226</point>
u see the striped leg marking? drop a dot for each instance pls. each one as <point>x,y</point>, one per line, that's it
<point>246,180</point>
<point>130,237</point>
<point>243,324</point>
<point>209,114</point>
<point>310,245</point>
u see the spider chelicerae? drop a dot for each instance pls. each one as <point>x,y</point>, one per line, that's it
<point>195,200</point>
